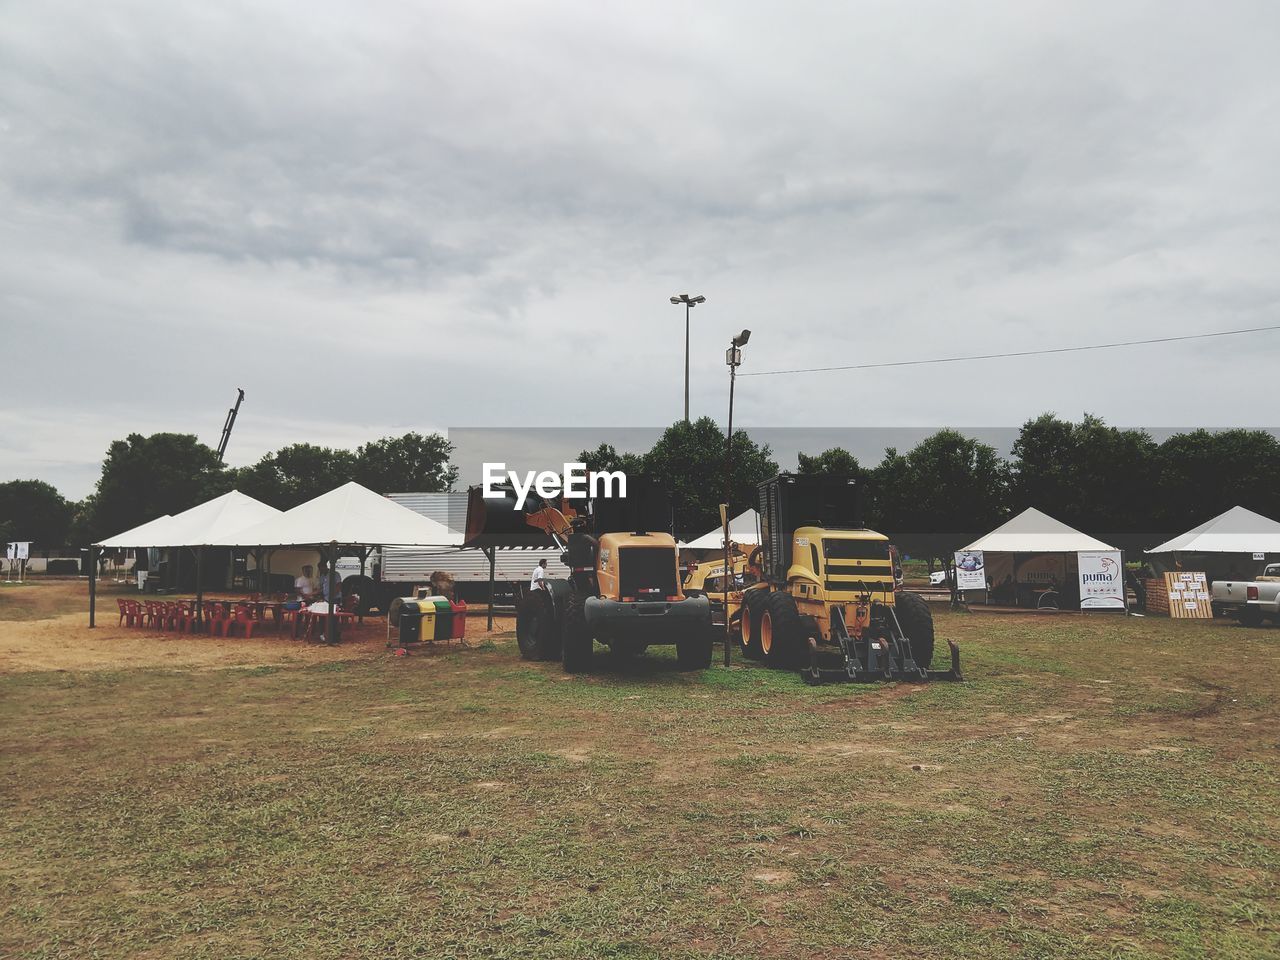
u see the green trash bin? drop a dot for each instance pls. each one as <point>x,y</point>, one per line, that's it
<point>443,618</point>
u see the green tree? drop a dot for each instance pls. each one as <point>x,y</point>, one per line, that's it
<point>1204,472</point>
<point>605,457</point>
<point>412,462</point>
<point>34,510</point>
<point>146,477</point>
<point>835,462</point>
<point>297,473</point>
<point>689,460</point>
<point>944,490</point>
<point>1099,478</point>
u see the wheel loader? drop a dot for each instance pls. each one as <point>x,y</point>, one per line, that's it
<point>623,588</point>
<point>829,602</point>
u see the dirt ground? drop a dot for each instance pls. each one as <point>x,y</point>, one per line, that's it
<point>45,626</point>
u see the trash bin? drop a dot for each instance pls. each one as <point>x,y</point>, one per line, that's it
<point>459,616</point>
<point>443,618</point>
<point>417,621</point>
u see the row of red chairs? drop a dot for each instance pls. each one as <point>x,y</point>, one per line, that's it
<point>182,616</point>
<point>157,614</point>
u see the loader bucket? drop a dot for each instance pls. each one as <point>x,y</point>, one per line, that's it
<point>496,522</point>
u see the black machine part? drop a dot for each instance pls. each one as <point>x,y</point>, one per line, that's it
<point>882,652</point>
<point>789,501</point>
<point>497,521</point>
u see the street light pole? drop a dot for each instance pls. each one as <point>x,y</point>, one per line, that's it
<point>733,357</point>
<point>689,303</point>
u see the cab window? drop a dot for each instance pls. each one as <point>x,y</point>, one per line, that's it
<point>856,549</point>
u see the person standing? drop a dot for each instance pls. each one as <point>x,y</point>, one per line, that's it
<point>539,579</point>
<point>305,585</point>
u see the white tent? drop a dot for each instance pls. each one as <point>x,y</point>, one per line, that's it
<point>143,535</point>
<point>743,529</point>
<point>1236,531</point>
<point>216,522</point>
<point>1034,532</point>
<point>349,515</point>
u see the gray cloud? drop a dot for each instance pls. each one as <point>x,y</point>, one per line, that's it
<point>473,214</point>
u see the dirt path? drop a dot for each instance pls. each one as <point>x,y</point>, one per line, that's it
<point>46,638</point>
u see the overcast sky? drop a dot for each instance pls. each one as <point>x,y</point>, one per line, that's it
<point>387,216</point>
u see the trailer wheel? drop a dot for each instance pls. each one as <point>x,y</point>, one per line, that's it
<point>916,620</point>
<point>781,632</point>
<point>576,646</point>
<point>749,623</point>
<point>535,627</point>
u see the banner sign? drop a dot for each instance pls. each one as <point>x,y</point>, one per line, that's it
<point>1101,580</point>
<point>971,574</point>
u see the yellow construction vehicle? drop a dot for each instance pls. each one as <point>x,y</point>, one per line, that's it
<point>708,579</point>
<point>623,588</point>
<point>829,590</point>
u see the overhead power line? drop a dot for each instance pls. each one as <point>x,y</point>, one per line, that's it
<point>1019,353</point>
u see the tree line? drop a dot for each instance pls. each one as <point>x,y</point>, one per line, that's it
<point>1104,480</point>
<point>146,477</point>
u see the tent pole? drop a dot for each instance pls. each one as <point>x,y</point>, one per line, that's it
<point>492,551</point>
<point>200,618</point>
<point>93,585</point>
<point>333,553</point>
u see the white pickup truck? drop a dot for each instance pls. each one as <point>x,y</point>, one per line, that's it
<point>1249,601</point>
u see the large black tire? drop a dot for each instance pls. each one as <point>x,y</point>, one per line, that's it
<point>781,631</point>
<point>749,626</point>
<point>576,644</point>
<point>364,588</point>
<point>693,651</point>
<point>1249,617</point>
<point>536,627</point>
<point>916,620</point>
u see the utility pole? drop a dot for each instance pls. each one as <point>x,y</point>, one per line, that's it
<point>689,303</point>
<point>733,357</point>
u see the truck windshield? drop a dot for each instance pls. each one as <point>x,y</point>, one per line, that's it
<point>855,549</point>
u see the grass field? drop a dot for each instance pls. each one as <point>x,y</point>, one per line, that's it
<point>1099,787</point>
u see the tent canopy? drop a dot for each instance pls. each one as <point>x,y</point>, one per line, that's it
<point>216,522</point>
<point>349,515</point>
<point>1236,531</point>
<point>210,524</point>
<point>743,529</point>
<point>143,535</point>
<point>1032,531</point>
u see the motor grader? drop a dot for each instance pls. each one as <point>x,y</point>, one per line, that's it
<point>623,588</point>
<point>708,579</point>
<point>829,601</point>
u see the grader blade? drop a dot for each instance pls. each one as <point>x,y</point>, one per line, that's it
<point>874,659</point>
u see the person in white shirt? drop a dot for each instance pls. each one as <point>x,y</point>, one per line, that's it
<point>539,579</point>
<point>304,585</point>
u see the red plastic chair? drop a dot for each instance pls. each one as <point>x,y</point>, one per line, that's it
<point>186,615</point>
<point>216,619</point>
<point>124,610</point>
<point>133,614</point>
<point>242,621</point>
<point>351,604</point>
